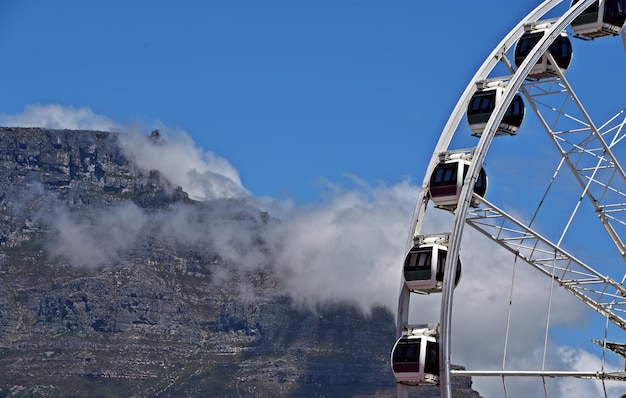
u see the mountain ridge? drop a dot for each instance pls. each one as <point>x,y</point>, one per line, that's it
<point>104,293</point>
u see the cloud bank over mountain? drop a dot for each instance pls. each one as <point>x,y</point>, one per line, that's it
<point>349,246</point>
<point>202,174</point>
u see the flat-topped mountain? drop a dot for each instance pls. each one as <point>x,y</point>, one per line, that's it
<point>114,283</point>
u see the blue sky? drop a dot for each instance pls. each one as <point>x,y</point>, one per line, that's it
<point>290,97</point>
<point>289,92</point>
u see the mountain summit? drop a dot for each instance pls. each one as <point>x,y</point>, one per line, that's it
<point>115,283</point>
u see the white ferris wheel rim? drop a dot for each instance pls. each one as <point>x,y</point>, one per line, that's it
<point>514,84</point>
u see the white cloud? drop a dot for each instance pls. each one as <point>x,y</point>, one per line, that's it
<point>95,240</point>
<point>55,116</point>
<point>348,247</point>
<point>229,228</point>
<point>481,306</point>
<point>579,359</point>
<point>203,175</point>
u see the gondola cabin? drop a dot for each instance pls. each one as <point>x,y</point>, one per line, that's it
<point>424,265</point>
<point>560,49</point>
<point>447,178</point>
<point>602,18</point>
<point>415,357</point>
<point>483,103</point>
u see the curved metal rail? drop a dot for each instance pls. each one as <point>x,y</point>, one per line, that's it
<point>480,153</point>
<point>601,293</point>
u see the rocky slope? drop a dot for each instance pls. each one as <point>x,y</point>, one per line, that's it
<point>102,296</point>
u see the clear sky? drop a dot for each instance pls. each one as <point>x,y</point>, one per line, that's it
<point>293,99</point>
<point>289,92</point>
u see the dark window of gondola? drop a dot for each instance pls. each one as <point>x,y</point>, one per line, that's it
<point>432,358</point>
<point>615,12</point>
<point>418,260</point>
<point>592,8</point>
<point>482,103</point>
<point>481,183</point>
<point>516,108</point>
<point>525,45</point>
<point>480,187</point>
<point>407,351</point>
<point>441,264</point>
<point>457,276</point>
<point>444,175</point>
<point>515,113</point>
<point>561,50</point>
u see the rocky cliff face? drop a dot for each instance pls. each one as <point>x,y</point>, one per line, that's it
<point>102,295</point>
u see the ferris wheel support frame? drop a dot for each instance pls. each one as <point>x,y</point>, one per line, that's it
<point>494,57</point>
<point>497,55</point>
<point>618,376</point>
<point>602,293</point>
<point>586,177</point>
<point>472,175</point>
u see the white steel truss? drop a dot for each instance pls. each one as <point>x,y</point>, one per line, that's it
<point>600,292</point>
<point>586,148</point>
<point>599,375</point>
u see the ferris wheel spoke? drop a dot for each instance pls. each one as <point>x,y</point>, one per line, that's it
<point>584,149</point>
<point>456,182</point>
<point>600,292</point>
<point>614,126</point>
<point>599,375</point>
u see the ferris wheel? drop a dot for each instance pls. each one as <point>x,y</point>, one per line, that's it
<point>567,223</point>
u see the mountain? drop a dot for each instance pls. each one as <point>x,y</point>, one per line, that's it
<point>114,283</point>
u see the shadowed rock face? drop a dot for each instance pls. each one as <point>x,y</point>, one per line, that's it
<point>157,315</point>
